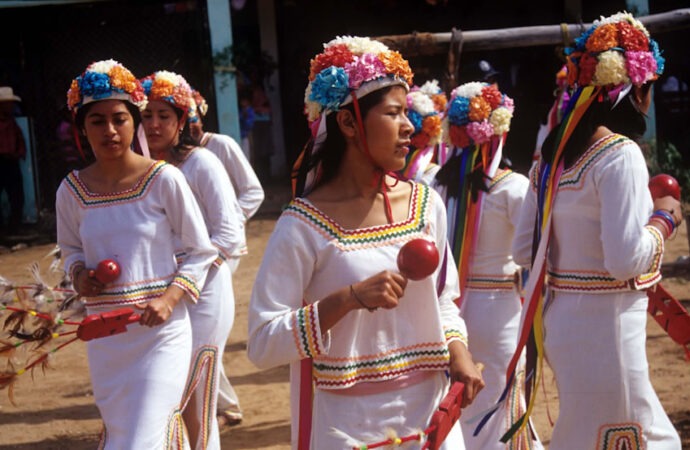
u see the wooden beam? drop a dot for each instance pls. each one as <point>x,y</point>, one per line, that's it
<point>419,44</point>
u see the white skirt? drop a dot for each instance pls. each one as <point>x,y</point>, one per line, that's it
<point>595,344</point>
<point>365,419</point>
<point>138,382</point>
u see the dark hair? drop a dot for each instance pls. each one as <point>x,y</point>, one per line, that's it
<point>333,148</point>
<point>81,114</point>
<point>626,119</point>
<point>186,143</point>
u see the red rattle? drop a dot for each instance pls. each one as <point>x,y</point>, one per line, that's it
<point>418,259</point>
<point>107,271</point>
<point>662,185</point>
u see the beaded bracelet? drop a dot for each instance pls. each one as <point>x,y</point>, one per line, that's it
<point>663,214</point>
<point>359,300</point>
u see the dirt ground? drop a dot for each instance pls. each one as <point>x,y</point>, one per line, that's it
<point>56,410</point>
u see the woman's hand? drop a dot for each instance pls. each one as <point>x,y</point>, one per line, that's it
<point>86,284</point>
<point>383,290</point>
<point>464,369</point>
<point>671,206</point>
<point>160,309</point>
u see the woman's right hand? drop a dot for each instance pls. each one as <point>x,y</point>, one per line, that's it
<point>671,206</point>
<point>382,290</point>
<point>86,284</point>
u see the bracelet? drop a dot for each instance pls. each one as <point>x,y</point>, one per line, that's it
<point>666,232</point>
<point>663,214</point>
<point>359,300</point>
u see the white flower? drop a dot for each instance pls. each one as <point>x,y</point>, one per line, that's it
<point>359,45</point>
<point>430,88</point>
<point>421,103</point>
<point>102,66</point>
<point>312,110</point>
<point>500,119</point>
<point>468,90</point>
<point>610,69</point>
<point>171,77</point>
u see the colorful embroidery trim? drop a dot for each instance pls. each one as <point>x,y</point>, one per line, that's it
<point>620,436</point>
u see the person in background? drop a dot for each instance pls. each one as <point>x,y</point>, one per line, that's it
<point>590,223</point>
<point>249,195</point>
<point>12,151</point>
<point>368,348</point>
<point>133,210</point>
<point>484,199</point>
<point>166,124</point>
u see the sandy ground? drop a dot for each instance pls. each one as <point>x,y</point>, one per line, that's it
<point>56,410</point>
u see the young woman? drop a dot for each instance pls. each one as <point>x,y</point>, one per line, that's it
<point>371,346</point>
<point>600,237</point>
<point>484,200</point>
<point>167,132</point>
<point>128,208</point>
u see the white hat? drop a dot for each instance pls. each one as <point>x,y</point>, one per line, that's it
<point>7,95</point>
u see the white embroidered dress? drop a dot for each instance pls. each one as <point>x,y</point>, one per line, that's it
<point>138,377</point>
<point>213,315</point>
<point>307,258</point>
<point>601,255</point>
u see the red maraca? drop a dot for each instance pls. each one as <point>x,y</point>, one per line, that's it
<point>418,259</point>
<point>662,185</point>
<point>107,271</point>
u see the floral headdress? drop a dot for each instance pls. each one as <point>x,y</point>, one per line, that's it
<point>435,93</point>
<point>351,64</point>
<point>105,80</point>
<point>201,105</point>
<point>477,112</point>
<point>172,88</point>
<point>614,51</point>
<point>425,118</point>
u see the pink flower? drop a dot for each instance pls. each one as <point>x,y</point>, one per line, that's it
<point>509,103</point>
<point>480,132</point>
<point>641,66</point>
<point>364,68</point>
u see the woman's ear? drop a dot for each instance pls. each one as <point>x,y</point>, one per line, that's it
<point>346,123</point>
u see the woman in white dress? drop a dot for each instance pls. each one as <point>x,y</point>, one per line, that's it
<point>131,209</point>
<point>368,349</point>
<point>165,121</point>
<point>600,241</point>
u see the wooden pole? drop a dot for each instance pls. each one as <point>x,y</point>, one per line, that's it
<point>418,44</point>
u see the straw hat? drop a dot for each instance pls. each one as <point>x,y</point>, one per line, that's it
<point>7,95</point>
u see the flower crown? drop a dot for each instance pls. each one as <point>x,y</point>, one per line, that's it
<point>201,105</point>
<point>476,113</point>
<point>171,88</point>
<point>104,80</point>
<point>613,51</point>
<point>351,64</point>
<point>424,114</point>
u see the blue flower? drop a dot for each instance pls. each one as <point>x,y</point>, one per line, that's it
<point>459,111</point>
<point>416,120</point>
<point>96,85</point>
<point>581,41</point>
<point>146,84</point>
<point>660,61</point>
<point>330,88</point>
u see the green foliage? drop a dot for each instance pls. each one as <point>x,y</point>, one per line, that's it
<point>664,157</point>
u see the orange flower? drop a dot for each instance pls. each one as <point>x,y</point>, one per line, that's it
<point>74,94</point>
<point>492,96</point>
<point>431,125</point>
<point>161,88</point>
<point>479,109</point>
<point>397,65</point>
<point>440,102</point>
<point>603,38</point>
<point>572,69</point>
<point>123,79</point>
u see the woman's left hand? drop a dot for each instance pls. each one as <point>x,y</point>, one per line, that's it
<point>160,309</point>
<point>465,370</point>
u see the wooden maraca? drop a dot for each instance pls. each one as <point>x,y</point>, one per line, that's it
<point>418,259</point>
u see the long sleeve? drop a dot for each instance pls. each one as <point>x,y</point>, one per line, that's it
<point>216,197</point>
<point>68,238</point>
<point>524,228</point>
<point>187,223</point>
<point>630,247</point>
<point>281,329</point>
<point>247,186</point>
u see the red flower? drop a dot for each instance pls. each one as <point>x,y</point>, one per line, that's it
<point>492,96</point>
<point>420,140</point>
<point>459,137</point>
<point>588,65</point>
<point>335,55</point>
<point>572,68</point>
<point>632,39</point>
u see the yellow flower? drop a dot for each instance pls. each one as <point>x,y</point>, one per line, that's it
<point>610,70</point>
<point>122,78</point>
